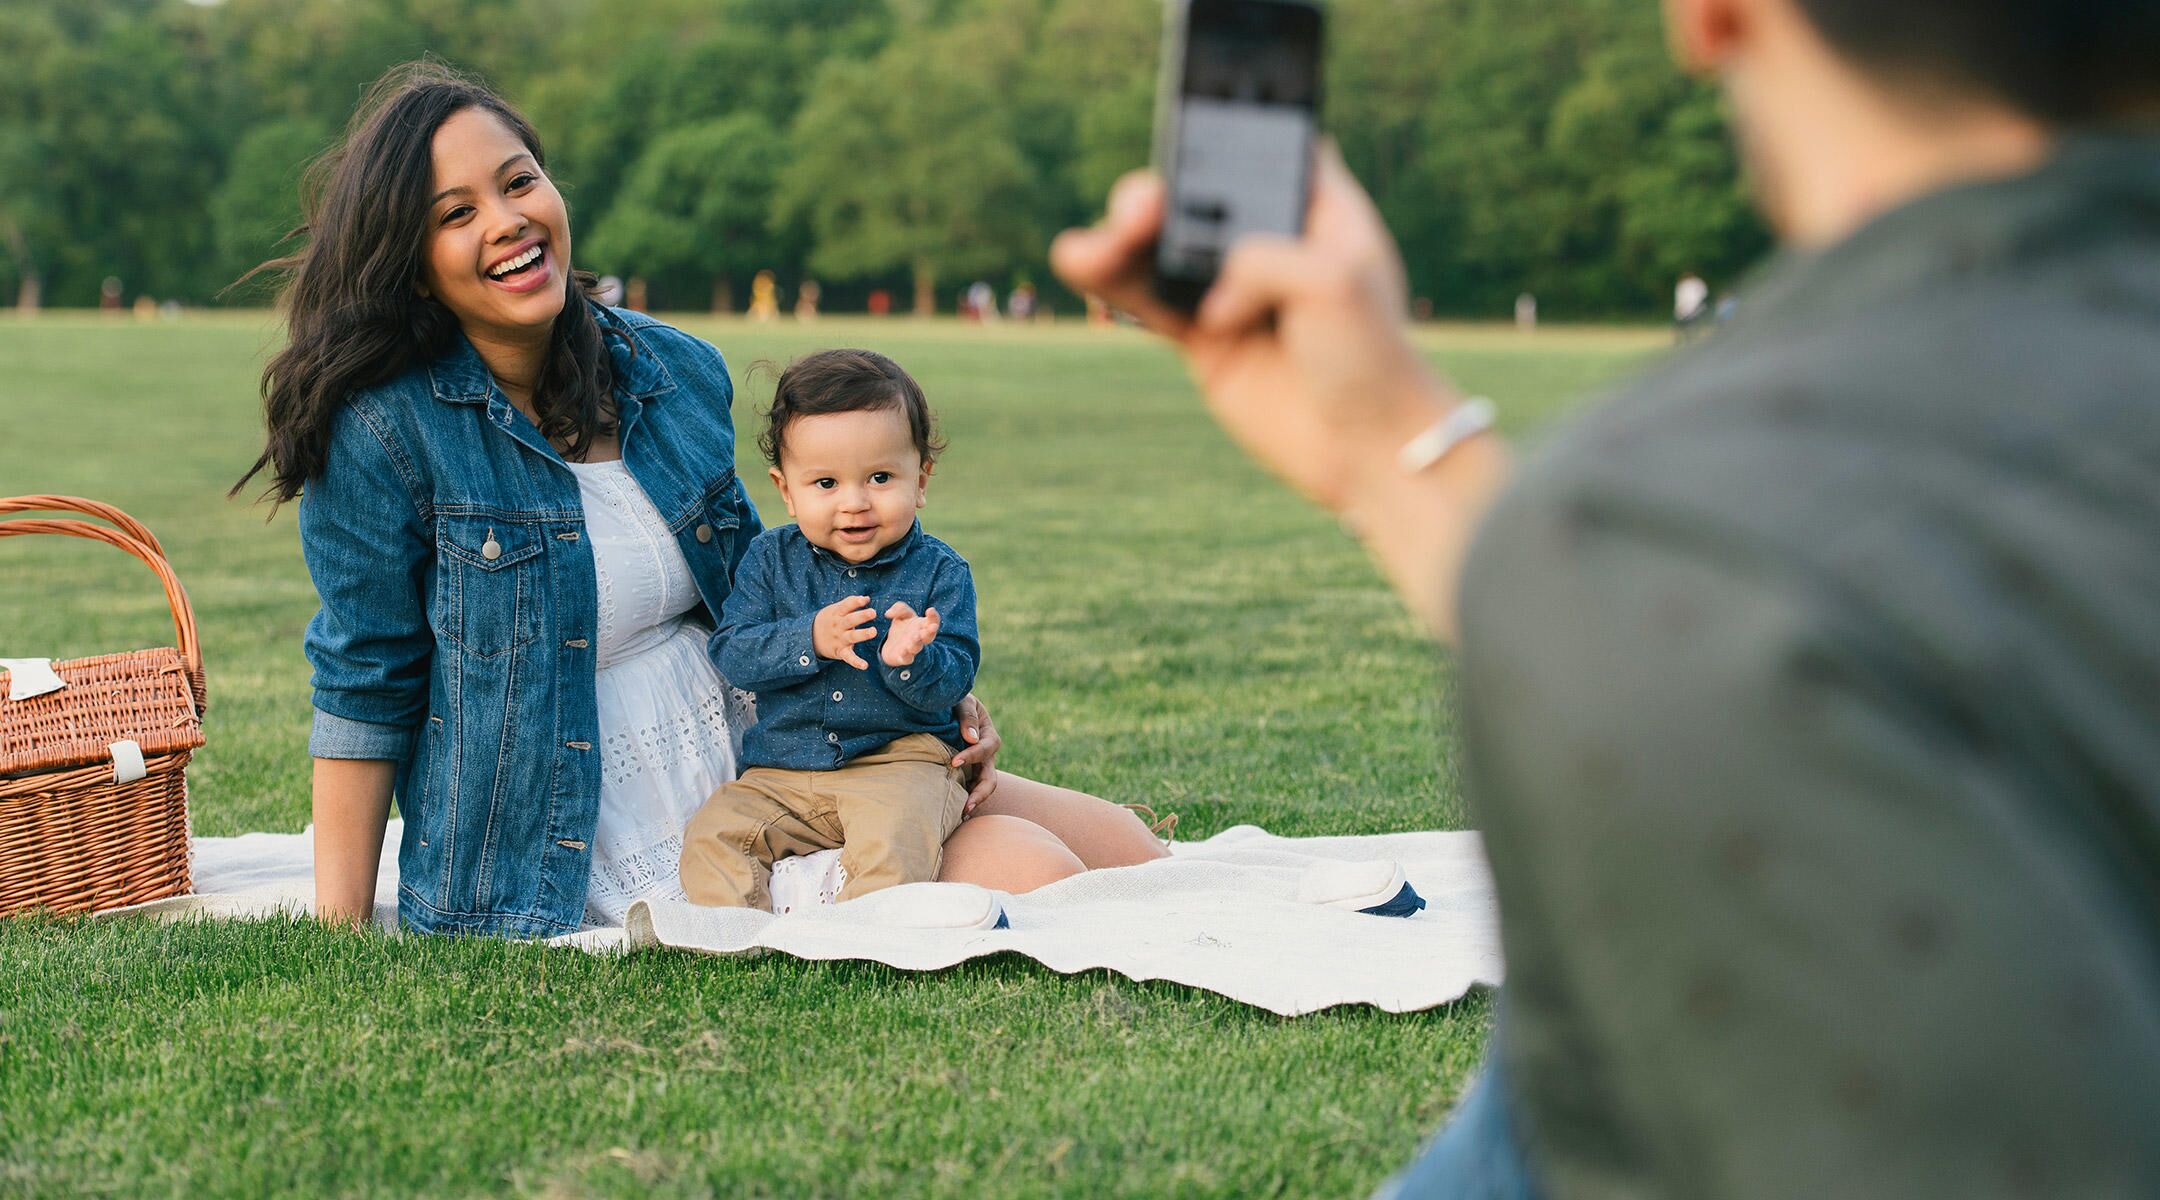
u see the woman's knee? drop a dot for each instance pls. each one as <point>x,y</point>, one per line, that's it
<point>1006,853</point>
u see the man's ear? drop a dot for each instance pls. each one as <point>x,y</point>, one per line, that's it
<point>780,481</point>
<point>1703,34</point>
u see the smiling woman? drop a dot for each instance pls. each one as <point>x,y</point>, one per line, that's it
<point>521,514</point>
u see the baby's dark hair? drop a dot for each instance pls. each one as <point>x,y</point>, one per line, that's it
<point>833,381</point>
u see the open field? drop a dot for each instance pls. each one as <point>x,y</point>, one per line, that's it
<point>1161,623</point>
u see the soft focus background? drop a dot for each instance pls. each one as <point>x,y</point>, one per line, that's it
<point>1544,147</point>
<point>1162,623</point>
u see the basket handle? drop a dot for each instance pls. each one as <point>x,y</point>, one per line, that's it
<point>130,536</point>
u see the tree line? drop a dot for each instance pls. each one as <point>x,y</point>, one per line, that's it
<point>1541,146</point>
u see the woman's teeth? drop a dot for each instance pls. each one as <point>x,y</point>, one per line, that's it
<point>516,264</point>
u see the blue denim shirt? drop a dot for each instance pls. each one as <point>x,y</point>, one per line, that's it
<point>815,713</point>
<point>446,541</point>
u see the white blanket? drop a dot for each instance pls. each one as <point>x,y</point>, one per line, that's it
<point>1220,914</point>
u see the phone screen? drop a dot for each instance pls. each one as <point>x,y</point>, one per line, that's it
<point>1240,144</point>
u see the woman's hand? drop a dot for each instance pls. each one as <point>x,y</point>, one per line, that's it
<point>980,757</point>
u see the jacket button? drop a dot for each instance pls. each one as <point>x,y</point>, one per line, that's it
<point>491,549</point>
<point>704,533</point>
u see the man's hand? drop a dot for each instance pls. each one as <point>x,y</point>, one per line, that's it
<point>1300,347</point>
<point>908,635</point>
<point>1302,351</point>
<point>979,760</point>
<point>840,626</point>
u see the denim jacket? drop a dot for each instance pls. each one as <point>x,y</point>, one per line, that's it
<point>815,714</point>
<point>446,541</point>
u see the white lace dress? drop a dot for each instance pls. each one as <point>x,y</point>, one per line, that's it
<point>670,727</point>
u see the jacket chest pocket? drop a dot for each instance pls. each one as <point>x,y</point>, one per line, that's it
<point>487,595</point>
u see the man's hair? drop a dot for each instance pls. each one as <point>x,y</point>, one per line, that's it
<point>833,381</point>
<point>2065,62</point>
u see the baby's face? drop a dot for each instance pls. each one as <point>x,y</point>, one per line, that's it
<point>852,480</point>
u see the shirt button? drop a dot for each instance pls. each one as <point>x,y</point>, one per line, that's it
<point>851,573</point>
<point>836,695</point>
<point>907,674</point>
<point>704,533</point>
<point>804,660</point>
<point>834,738</point>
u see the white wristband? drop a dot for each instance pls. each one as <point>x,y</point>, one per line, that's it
<point>1465,421</point>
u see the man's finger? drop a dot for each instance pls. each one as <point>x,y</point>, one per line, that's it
<point>1259,274</point>
<point>1113,259</point>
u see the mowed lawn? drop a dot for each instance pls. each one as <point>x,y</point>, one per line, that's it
<point>1161,622</point>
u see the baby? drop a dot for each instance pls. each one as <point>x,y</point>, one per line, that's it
<point>848,751</point>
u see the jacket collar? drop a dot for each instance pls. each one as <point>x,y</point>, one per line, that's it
<point>460,377</point>
<point>885,558</point>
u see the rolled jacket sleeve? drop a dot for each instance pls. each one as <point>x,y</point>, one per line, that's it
<point>367,548</point>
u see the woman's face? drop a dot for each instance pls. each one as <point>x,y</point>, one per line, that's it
<point>497,252</point>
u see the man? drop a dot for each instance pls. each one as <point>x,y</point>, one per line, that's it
<point>1811,689</point>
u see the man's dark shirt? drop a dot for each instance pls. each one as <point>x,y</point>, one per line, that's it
<point>1811,705</point>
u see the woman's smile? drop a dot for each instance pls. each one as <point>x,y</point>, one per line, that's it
<point>524,269</point>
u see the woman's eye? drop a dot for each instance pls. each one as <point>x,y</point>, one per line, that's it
<point>455,213</point>
<point>520,180</point>
<point>881,477</point>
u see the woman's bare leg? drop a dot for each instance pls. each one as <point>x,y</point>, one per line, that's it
<point>1098,832</point>
<point>1006,853</point>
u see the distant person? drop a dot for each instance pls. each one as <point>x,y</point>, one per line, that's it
<point>1526,313</point>
<point>852,442</point>
<point>764,297</point>
<point>1728,307</point>
<point>1808,690</point>
<point>982,301</point>
<point>806,300</point>
<point>1691,303</point>
<point>634,297</point>
<point>880,302</point>
<point>109,295</point>
<point>1020,306</point>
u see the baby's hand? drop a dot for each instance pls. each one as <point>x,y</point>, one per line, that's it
<point>909,634</point>
<point>842,624</point>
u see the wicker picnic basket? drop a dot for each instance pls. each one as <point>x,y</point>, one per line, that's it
<point>93,788</point>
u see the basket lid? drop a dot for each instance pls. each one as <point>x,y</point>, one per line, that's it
<point>142,696</point>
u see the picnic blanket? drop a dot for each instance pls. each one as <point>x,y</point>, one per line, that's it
<point>1221,914</point>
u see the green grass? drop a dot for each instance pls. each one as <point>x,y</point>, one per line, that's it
<point>1161,623</point>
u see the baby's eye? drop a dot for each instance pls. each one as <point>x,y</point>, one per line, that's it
<point>881,477</point>
<point>828,483</point>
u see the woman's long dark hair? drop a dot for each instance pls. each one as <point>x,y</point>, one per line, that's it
<point>353,309</point>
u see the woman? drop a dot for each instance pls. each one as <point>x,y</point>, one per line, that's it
<point>520,513</point>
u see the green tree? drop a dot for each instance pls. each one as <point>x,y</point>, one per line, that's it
<point>258,202</point>
<point>908,162</point>
<point>698,202</point>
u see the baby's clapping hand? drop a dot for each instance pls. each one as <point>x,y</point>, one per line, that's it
<point>840,625</point>
<point>909,634</point>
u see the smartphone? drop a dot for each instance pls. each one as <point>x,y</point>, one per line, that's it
<point>1236,112</point>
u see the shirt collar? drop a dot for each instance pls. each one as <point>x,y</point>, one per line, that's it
<point>2098,185</point>
<point>461,377</point>
<point>885,558</point>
